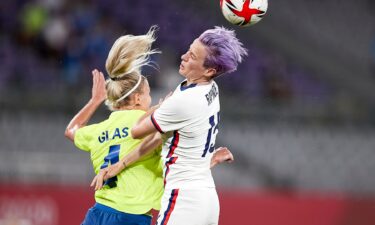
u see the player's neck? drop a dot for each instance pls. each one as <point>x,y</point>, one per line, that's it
<point>131,107</point>
<point>199,81</point>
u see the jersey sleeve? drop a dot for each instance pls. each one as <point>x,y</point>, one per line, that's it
<point>83,136</point>
<point>173,114</point>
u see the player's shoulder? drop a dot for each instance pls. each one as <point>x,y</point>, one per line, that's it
<point>128,117</point>
<point>192,97</point>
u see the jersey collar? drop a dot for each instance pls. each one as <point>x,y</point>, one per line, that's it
<point>183,88</point>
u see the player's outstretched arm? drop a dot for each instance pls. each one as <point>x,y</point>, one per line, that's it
<point>83,116</point>
<point>221,155</point>
<point>149,144</point>
<point>144,126</point>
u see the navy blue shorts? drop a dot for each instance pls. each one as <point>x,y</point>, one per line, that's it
<point>104,215</point>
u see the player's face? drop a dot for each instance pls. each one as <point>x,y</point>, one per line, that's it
<point>192,61</point>
<point>144,97</point>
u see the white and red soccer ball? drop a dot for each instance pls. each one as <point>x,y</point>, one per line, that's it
<point>244,12</point>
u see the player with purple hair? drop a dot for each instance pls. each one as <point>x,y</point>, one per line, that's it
<point>188,121</point>
<point>224,51</point>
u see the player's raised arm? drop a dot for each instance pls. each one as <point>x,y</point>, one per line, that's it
<point>84,115</point>
<point>149,144</point>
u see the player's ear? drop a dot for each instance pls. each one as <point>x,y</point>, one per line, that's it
<point>210,72</point>
<point>137,99</point>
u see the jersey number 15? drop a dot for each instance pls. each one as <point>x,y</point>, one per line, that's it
<point>209,147</point>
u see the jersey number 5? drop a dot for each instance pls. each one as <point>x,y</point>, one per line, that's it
<point>209,147</point>
<point>112,157</point>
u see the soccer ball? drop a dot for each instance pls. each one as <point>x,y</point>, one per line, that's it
<point>244,12</point>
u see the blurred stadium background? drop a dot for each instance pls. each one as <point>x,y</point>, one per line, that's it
<point>299,114</point>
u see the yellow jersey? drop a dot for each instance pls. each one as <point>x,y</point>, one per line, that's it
<point>139,187</point>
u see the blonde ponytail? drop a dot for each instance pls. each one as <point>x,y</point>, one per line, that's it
<point>124,62</point>
<point>129,53</point>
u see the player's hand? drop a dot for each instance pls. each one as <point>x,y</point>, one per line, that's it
<point>98,180</point>
<point>99,93</point>
<point>105,174</point>
<point>221,155</point>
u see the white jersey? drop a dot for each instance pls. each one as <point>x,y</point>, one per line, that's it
<point>189,118</point>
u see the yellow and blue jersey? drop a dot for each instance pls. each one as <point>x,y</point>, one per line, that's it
<point>139,187</point>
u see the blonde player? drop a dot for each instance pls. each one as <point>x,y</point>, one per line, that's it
<point>129,197</point>
<point>189,119</point>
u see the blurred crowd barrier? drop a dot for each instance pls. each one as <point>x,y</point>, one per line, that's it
<point>62,205</point>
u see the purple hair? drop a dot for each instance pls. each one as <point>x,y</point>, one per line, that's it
<point>225,51</point>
